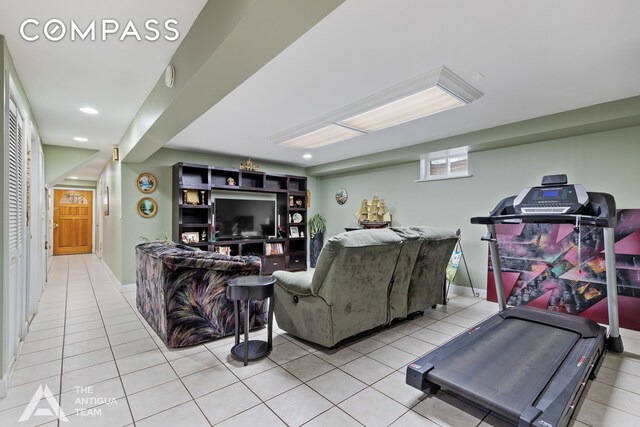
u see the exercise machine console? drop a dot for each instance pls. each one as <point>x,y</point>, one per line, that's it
<point>528,365</point>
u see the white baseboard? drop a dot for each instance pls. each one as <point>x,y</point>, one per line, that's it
<point>110,273</point>
<point>6,378</point>
<point>131,287</point>
<point>466,291</point>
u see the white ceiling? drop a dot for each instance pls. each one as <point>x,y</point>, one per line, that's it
<point>538,58</point>
<point>114,76</point>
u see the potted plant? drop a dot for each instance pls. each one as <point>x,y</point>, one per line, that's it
<point>317,227</point>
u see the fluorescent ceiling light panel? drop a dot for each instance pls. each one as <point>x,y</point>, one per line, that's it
<point>323,136</point>
<point>80,139</point>
<point>421,104</point>
<point>427,94</point>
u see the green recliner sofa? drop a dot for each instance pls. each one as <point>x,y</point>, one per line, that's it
<point>363,279</point>
<point>421,270</point>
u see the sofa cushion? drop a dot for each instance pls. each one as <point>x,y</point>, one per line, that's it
<point>425,232</point>
<point>352,239</point>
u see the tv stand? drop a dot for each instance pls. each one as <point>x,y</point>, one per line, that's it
<point>193,210</point>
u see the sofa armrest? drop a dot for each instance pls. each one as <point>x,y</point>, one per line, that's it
<point>297,283</point>
<point>212,261</point>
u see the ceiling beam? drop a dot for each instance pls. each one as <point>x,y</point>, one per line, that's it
<point>229,41</point>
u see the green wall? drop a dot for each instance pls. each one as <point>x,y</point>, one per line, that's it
<point>605,161</point>
<point>60,160</point>
<point>131,227</point>
<point>111,177</point>
<point>77,183</point>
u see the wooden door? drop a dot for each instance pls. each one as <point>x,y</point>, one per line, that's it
<point>72,222</point>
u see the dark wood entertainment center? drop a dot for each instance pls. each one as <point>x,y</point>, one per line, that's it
<point>194,184</point>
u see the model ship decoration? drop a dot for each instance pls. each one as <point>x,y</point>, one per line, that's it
<point>373,213</point>
<point>249,166</point>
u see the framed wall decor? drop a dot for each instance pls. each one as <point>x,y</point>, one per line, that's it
<point>105,201</point>
<point>147,207</point>
<point>146,183</point>
<point>341,196</point>
<point>191,197</point>
<point>190,237</point>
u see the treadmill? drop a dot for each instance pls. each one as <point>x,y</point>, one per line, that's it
<point>527,365</point>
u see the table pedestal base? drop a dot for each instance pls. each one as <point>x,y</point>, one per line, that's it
<point>257,350</point>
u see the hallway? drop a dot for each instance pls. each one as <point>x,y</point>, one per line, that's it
<point>89,334</point>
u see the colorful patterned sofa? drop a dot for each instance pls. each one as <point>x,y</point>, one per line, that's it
<point>181,292</point>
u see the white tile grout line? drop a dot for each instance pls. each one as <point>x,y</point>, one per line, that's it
<point>110,347</point>
<point>205,348</point>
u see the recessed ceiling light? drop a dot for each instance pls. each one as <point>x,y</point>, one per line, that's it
<point>80,139</point>
<point>307,156</point>
<point>73,177</point>
<point>89,110</point>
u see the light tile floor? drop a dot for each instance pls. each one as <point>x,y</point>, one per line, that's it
<point>89,334</point>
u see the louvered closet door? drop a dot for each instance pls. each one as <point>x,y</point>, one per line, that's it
<point>15,303</point>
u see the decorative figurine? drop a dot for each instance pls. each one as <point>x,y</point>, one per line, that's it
<point>298,203</point>
<point>291,202</point>
<point>202,199</point>
<point>231,181</point>
<point>204,236</point>
<point>184,197</point>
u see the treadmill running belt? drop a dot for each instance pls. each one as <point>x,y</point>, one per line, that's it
<point>511,380</point>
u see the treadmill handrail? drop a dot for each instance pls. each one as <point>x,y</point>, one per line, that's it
<point>544,218</point>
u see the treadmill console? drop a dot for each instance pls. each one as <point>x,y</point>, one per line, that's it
<point>554,196</point>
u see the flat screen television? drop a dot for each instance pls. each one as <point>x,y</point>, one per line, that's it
<point>239,218</point>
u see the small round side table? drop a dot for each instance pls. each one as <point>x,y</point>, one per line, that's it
<point>247,288</point>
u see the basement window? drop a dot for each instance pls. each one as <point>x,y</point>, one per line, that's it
<point>444,165</point>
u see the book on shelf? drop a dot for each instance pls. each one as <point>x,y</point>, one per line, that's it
<point>274,249</point>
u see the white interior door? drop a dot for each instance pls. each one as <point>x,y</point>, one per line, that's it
<point>36,226</point>
<point>15,301</point>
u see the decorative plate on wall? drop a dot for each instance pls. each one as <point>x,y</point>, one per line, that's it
<point>146,183</point>
<point>341,196</point>
<point>147,207</point>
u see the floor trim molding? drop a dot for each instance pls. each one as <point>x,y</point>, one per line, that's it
<point>466,291</point>
<point>131,287</point>
<point>112,276</point>
<point>6,379</point>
